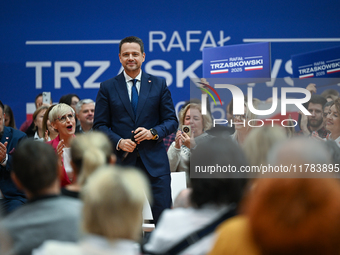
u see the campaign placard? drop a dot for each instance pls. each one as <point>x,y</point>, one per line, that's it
<point>237,61</point>
<point>317,64</point>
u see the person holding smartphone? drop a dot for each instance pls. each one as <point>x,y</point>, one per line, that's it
<point>192,127</point>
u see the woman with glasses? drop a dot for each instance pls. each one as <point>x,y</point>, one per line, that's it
<point>62,118</point>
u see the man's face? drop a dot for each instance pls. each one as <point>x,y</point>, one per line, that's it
<point>131,57</point>
<point>86,114</point>
<point>2,120</point>
<point>38,102</point>
<point>316,119</point>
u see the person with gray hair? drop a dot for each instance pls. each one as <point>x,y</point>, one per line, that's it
<point>112,214</point>
<point>85,115</point>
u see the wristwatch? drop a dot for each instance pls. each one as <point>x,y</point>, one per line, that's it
<point>154,133</point>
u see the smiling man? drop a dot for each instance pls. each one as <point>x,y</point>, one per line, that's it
<point>85,115</point>
<point>138,104</point>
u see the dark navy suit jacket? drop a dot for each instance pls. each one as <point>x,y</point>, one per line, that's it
<point>8,188</point>
<point>114,116</point>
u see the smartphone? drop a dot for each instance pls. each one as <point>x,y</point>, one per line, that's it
<point>186,129</point>
<point>46,98</point>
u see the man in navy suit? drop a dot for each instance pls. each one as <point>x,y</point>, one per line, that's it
<point>136,105</point>
<point>9,138</point>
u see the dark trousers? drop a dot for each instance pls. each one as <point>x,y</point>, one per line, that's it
<point>161,191</point>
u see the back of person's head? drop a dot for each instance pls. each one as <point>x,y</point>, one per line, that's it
<point>299,150</point>
<point>221,189</point>
<point>334,151</point>
<point>35,165</point>
<point>259,142</point>
<point>113,202</point>
<point>88,152</point>
<point>295,216</point>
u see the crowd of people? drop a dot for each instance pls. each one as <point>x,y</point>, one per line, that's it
<point>75,178</point>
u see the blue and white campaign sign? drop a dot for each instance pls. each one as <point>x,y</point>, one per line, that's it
<point>237,61</point>
<point>71,46</point>
<point>317,64</point>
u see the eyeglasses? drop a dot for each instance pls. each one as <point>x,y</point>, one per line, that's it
<point>62,119</point>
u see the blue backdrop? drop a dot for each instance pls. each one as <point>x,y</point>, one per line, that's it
<point>71,46</point>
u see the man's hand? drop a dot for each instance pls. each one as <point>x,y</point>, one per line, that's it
<point>143,134</point>
<point>3,151</point>
<point>127,145</point>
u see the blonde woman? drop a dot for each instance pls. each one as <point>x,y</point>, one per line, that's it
<point>88,152</point>
<point>179,150</point>
<point>112,214</point>
<point>62,118</point>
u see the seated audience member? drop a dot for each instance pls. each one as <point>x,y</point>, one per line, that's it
<point>9,139</point>
<point>260,141</point>
<point>287,215</point>
<point>47,215</point>
<point>112,214</point>
<point>240,122</point>
<point>314,122</point>
<point>333,122</point>
<point>85,115</point>
<point>334,152</point>
<point>88,152</point>
<point>330,94</point>
<point>62,119</point>
<point>71,100</point>
<point>38,117</point>
<point>179,151</point>
<point>9,117</point>
<point>27,123</point>
<point>185,230</point>
<point>48,130</point>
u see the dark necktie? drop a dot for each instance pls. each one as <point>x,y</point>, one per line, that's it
<point>134,96</point>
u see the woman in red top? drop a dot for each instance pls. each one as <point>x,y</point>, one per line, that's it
<point>62,118</point>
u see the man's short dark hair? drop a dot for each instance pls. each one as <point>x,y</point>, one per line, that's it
<point>132,39</point>
<point>317,99</point>
<point>35,165</point>
<point>220,151</point>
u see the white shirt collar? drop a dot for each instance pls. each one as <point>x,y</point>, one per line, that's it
<point>128,78</point>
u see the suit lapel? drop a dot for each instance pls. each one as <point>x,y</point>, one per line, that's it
<point>124,95</point>
<point>6,133</point>
<point>145,87</point>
